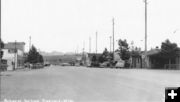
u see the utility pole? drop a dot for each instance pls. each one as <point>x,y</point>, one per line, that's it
<point>145,1</point>
<point>29,43</point>
<point>15,57</point>
<point>96,41</point>
<point>0,44</point>
<point>0,32</point>
<point>110,44</point>
<point>77,49</point>
<point>83,46</point>
<point>89,44</point>
<point>75,52</point>
<point>145,25</point>
<point>113,35</point>
<point>83,56</point>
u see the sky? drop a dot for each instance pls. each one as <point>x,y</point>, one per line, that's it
<point>67,25</point>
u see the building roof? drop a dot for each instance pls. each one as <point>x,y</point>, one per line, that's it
<point>13,45</point>
<point>153,52</point>
<point>92,54</point>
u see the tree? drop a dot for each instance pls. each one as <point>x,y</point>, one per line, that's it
<point>40,59</point>
<point>104,56</point>
<point>168,50</point>
<point>25,57</point>
<point>94,59</point>
<point>101,59</point>
<point>124,49</point>
<point>136,52</point>
<point>34,56</point>
<point>2,46</point>
<point>105,52</point>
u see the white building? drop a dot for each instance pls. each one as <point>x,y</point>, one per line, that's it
<point>14,54</point>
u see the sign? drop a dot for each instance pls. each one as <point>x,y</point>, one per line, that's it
<point>172,94</point>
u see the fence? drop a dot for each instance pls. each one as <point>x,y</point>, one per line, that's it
<point>172,66</point>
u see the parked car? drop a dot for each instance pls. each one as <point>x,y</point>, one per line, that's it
<point>36,65</point>
<point>47,64</point>
<point>26,65</point>
<point>105,64</point>
<point>65,64</point>
<point>95,64</point>
<point>72,63</point>
<point>88,65</point>
<point>40,65</point>
<point>120,64</point>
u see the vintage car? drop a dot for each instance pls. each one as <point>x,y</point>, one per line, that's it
<point>120,64</point>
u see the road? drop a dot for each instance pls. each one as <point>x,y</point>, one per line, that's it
<point>81,84</point>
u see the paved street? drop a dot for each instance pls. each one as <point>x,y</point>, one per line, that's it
<point>82,84</point>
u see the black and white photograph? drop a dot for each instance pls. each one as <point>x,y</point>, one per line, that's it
<point>89,50</point>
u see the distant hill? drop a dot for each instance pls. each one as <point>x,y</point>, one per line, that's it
<point>56,59</point>
<point>51,53</point>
